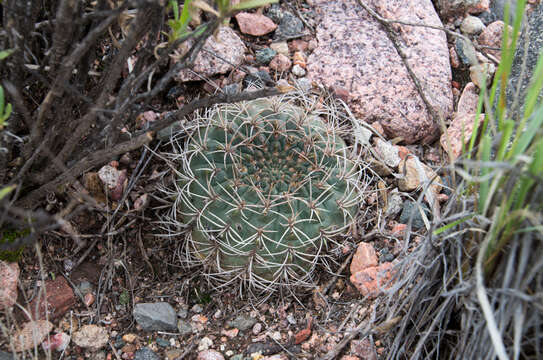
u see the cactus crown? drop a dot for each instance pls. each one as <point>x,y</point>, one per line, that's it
<point>265,187</point>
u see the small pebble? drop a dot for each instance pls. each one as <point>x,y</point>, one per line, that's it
<point>304,84</point>
<point>298,70</point>
<point>183,313</point>
<point>205,343</point>
<point>197,308</point>
<point>162,342</point>
<point>184,327</point>
<point>281,47</point>
<point>291,320</point>
<point>145,354</point>
<point>472,25</point>
<point>264,56</point>
<point>257,328</point>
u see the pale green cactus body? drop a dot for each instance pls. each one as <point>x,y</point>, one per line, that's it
<point>265,187</point>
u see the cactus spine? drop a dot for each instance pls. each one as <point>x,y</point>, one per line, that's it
<point>265,187</point>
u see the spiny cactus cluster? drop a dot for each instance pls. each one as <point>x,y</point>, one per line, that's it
<point>265,188</point>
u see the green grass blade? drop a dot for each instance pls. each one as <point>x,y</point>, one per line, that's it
<point>6,190</point>
<point>525,136</point>
<point>185,16</point>
<point>536,167</point>
<point>535,88</point>
<point>2,100</point>
<point>5,53</point>
<point>252,4</point>
<point>451,225</point>
<point>507,132</point>
<point>486,147</point>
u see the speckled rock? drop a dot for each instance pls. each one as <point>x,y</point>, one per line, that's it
<point>264,56</point>
<point>467,104</point>
<point>481,73</point>
<point>255,24</point>
<point>364,257</point>
<point>372,280</point>
<point>281,47</point>
<point>91,337</point>
<point>9,276</point>
<point>355,56</point>
<point>459,133</point>
<point>472,25</point>
<point>454,7</point>
<point>145,353</point>
<point>492,37</point>
<point>289,27</point>
<point>465,52</point>
<point>280,63</point>
<point>210,355</point>
<point>520,77</point>
<point>242,322</point>
<point>228,45</point>
<point>31,335</point>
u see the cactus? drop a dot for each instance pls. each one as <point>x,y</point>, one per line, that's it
<point>265,187</point>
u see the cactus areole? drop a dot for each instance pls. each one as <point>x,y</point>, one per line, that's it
<point>265,187</point>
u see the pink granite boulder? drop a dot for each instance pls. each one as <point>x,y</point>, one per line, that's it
<point>356,58</point>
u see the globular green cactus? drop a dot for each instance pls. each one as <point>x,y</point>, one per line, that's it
<point>266,187</point>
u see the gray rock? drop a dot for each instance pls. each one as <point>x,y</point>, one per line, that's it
<point>289,27</point>
<point>242,322</point>
<point>162,342</point>
<point>388,257</point>
<point>275,13</point>
<point>466,52</point>
<point>84,288</point>
<point>146,354</point>
<point>197,308</point>
<point>183,313</point>
<point>260,78</point>
<point>497,7</point>
<point>264,56</point>
<point>232,89</point>
<point>531,36</point>
<point>166,133</point>
<point>184,327</point>
<point>410,207</point>
<point>5,356</point>
<point>395,203</point>
<point>155,316</point>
